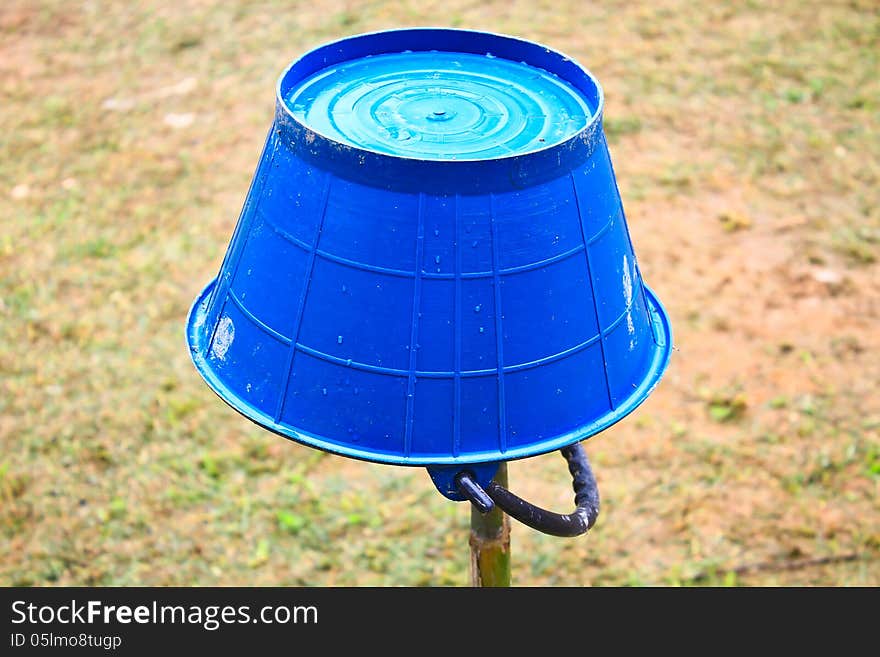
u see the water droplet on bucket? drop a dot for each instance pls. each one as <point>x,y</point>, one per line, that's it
<point>437,260</point>
<point>482,329</point>
<point>339,339</point>
<point>324,390</point>
<point>436,233</point>
<point>478,308</point>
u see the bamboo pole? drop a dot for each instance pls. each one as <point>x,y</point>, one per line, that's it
<point>490,543</point>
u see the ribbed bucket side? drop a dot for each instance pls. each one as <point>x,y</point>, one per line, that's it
<point>420,327</point>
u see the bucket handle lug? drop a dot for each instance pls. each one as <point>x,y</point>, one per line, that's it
<point>579,521</point>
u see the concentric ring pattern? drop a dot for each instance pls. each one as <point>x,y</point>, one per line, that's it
<point>440,105</point>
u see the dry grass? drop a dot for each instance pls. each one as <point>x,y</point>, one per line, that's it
<point>745,139</point>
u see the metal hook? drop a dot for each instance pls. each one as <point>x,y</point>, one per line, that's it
<point>579,521</point>
<point>474,492</point>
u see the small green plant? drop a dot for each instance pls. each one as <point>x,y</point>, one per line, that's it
<point>291,522</point>
<point>724,407</point>
<point>117,508</point>
<point>261,554</point>
<point>872,461</point>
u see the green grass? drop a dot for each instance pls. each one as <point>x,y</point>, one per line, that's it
<point>120,467</point>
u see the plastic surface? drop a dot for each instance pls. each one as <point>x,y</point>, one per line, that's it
<point>439,105</point>
<point>430,311</point>
<point>445,477</point>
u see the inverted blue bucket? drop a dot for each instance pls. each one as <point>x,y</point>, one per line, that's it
<point>432,266</point>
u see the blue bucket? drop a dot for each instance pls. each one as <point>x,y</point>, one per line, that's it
<point>432,266</point>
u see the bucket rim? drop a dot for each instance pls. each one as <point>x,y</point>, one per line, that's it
<point>582,140</point>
